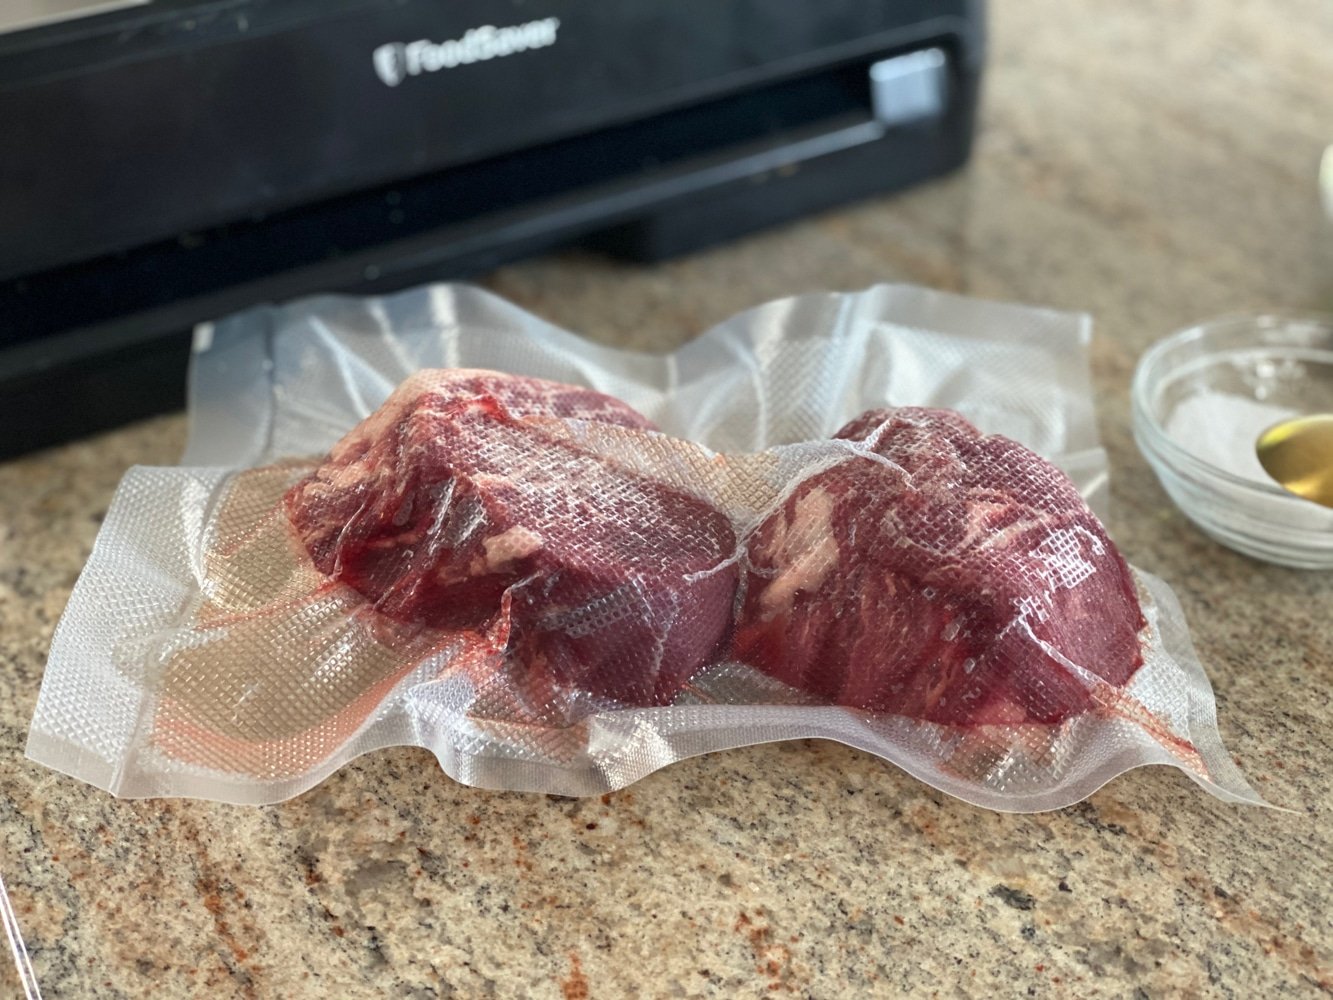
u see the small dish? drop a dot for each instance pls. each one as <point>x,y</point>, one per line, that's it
<point>1202,397</point>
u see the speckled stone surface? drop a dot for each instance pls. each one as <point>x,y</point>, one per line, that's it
<point>1154,164</point>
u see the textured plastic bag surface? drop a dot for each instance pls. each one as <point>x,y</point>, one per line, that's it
<point>207,650</point>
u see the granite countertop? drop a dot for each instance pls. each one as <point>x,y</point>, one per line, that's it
<point>1154,165</point>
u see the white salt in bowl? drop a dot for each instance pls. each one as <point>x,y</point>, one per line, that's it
<point>1201,399</point>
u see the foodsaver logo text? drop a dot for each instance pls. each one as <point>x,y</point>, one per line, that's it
<point>396,61</point>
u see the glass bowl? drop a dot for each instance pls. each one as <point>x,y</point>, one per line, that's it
<point>1201,398</point>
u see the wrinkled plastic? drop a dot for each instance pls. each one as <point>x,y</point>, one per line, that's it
<point>218,646</point>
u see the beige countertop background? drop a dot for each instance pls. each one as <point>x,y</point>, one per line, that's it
<point>1152,163</point>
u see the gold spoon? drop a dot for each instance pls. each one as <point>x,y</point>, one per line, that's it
<point>1298,453</point>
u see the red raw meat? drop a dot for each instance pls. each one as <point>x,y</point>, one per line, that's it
<point>462,504</point>
<point>941,575</point>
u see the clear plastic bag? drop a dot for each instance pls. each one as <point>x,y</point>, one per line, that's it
<point>257,617</point>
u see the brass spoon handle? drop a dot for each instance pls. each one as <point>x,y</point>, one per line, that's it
<point>1298,454</point>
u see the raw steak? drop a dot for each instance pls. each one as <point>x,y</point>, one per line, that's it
<point>464,503</point>
<point>942,575</point>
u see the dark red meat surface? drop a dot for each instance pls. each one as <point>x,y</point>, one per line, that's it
<point>462,504</point>
<point>942,575</point>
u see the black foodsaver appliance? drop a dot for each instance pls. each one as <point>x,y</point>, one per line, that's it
<point>166,164</point>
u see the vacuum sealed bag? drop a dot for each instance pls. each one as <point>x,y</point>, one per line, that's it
<point>432,519</point>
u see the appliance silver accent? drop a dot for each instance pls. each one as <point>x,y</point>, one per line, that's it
<point>909,87</point>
